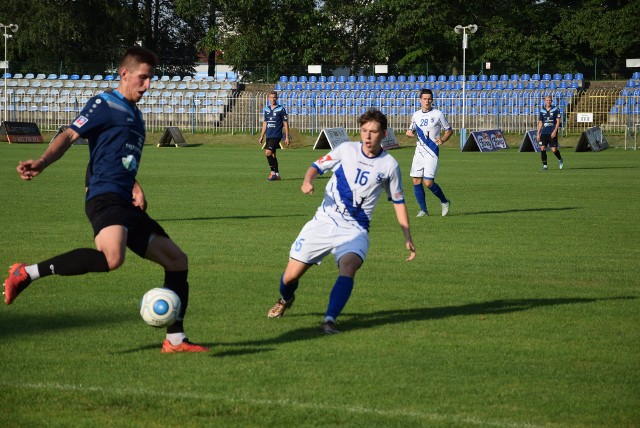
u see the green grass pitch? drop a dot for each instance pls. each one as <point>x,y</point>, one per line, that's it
<point>521,309</point>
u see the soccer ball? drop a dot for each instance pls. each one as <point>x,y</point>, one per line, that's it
<point>159,307</point>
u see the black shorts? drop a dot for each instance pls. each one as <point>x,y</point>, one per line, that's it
<point>546,140</point>
<point>111,210</point>
<point>273,144</point>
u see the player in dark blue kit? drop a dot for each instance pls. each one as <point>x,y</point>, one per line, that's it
<point>548,124</point>
<point>115,202</point>
<point>275,121</point>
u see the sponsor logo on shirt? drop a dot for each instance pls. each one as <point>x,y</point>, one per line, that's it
<point>324,159</point>
<point>80,121</point>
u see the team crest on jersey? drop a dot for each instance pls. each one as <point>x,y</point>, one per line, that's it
<point>80,121</point>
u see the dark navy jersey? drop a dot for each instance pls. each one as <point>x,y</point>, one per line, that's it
<point>275,119</point>
<point>548,119</point>
<point>115,131</point>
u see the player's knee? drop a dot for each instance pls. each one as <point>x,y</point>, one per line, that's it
<point>114,260</point>
<point>178,260</point>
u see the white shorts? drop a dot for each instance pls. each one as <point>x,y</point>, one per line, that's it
<point>424,167</point>
<point>319,238</point>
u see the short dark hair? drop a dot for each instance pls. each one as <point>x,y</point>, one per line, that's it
<point>373,115</point>
<point>138,55</point>
<point>426,91</point>
<point>273,92</point>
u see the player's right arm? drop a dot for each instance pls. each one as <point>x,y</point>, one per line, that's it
<point>264,130</point>
<point>30,168</point>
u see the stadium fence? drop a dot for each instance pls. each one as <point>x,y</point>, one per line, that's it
<point>232,110</point>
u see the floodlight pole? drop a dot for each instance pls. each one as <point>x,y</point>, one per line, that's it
<point>463,29</point>
<point>13,28</point>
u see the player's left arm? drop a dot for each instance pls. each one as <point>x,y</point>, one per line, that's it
<point>558,121</point>
<point>403,220</point>
<point>285,125</point>
<point>447,135</point>
<point>138,197</point>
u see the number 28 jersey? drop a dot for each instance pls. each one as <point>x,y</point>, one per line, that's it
<point>357,182</point>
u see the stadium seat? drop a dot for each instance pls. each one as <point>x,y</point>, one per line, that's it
<point>371,79</point>
<point>392,79</point>
<point>402,78</point>
<point>29,76</point>
<point>546,77</point>
<point>85,77</point>
<point>535,77</point>
<point>292,79</point>
<point>578,77</point>
<point>635,75</point>
<point>412,78</point>
<point>382,78</point>
<point>352,79</point>
<point>313,78</point>
<point>332,79</point>
<point>452,78</point>
<point>493,78</point>
<point>282,79</point>
<point>504,78</point>
<point>302,79</point>
<point>525,77</point>
<point>514,78</point>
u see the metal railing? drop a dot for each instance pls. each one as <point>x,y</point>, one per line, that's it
<point>236,111</point>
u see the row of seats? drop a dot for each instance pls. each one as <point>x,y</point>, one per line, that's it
<point>437,86</point>
<point>558,93</point>
<point>533,101</point>
<point>432,78</point>
<point>513,111</point>
<point>204,85</point>
<point>220,76</point>
<point>71,108</point>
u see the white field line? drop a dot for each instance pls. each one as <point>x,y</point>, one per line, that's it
<point>281,403</point>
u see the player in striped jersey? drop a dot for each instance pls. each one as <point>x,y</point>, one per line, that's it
<point>361,171</point>
<point>427,123</point>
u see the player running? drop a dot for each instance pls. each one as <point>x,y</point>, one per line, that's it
<point>427,124</point>
<point>361,171</point>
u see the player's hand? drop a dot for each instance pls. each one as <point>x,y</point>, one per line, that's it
<point>307,188</point>
<point>412,251</point>
<point>409,133</point>
<point>30,168</point>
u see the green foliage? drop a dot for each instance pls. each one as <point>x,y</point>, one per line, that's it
<point>521,308</point>
<point>263,39</point>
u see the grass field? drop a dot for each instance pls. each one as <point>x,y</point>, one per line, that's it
<point>522,308</point>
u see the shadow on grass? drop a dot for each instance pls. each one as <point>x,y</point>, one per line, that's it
<point>605,167</point>
<point>360,321</point>
<point>230,217</point>
<point>516,210</point>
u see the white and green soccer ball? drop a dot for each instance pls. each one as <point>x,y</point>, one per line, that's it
<point>159,307</point>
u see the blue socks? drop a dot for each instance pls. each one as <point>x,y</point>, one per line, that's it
<point>418,190</point>
<point>437,191</point>
<point>287,291</point>
<point>339,296</point>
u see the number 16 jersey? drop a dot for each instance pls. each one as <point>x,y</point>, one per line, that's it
<point>357,182</point>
